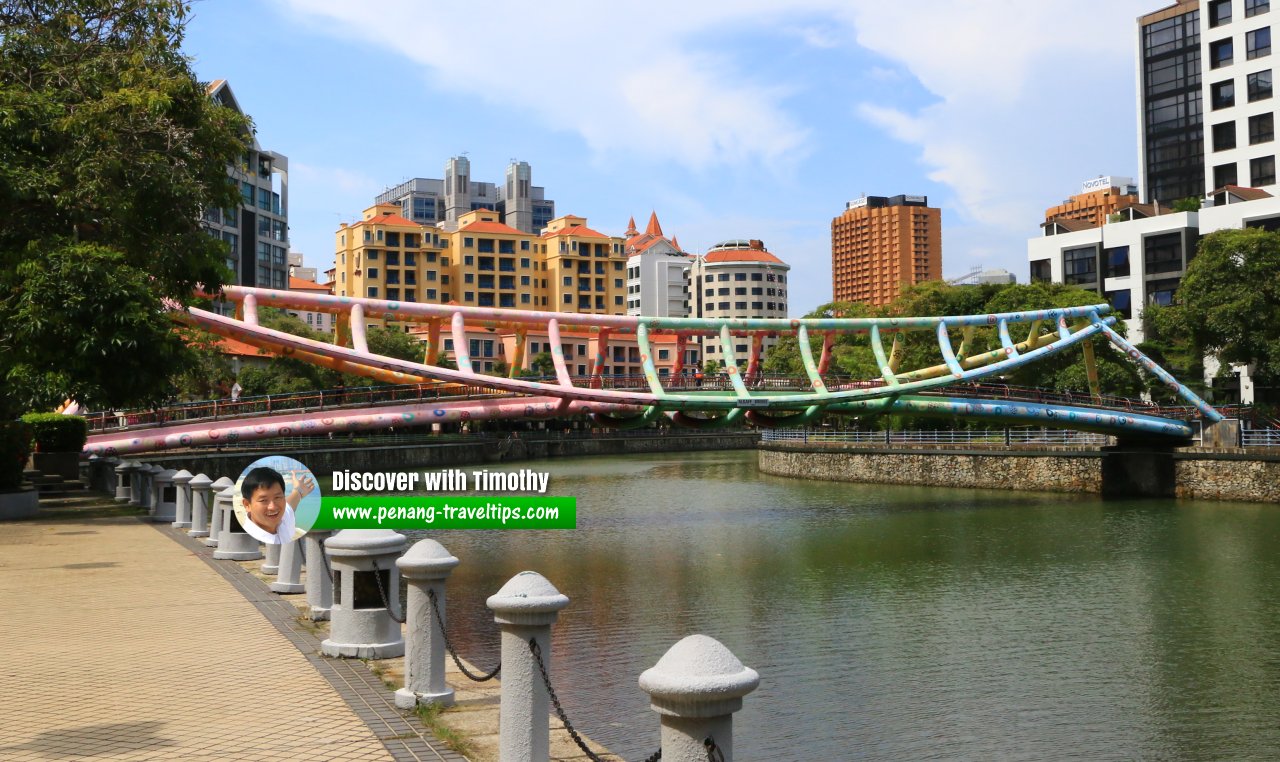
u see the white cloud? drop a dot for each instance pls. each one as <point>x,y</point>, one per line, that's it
<point>605,72</point>
<point>1031,99</point>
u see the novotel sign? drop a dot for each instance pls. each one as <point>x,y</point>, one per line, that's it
<point>1099,183</point>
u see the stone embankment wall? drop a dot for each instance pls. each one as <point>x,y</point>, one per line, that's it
<point>326,458</point>
<point>1249,475</point>
<point>1043,469</point>
<point>1245,475</point>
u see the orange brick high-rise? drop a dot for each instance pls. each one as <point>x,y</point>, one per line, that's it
<point>881,244</point>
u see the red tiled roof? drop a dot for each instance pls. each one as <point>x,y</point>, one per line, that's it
<point>741,255</point>
<point>1077,225</point>
<point>485,226</point>
<point>299,284</point>
<point>1248,194</point>
<point>653,228</point>
<point>581,231</point>
<point>386,219</point>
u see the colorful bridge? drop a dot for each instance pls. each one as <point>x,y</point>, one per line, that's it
<point>747,396</point>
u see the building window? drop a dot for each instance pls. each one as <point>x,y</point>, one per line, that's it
<point>1224,94</point>
<point>373,292</point>
<point>1117,261</point>
<point>1258,42</point>
<point>1220,53</point>
<point>1122,301</point>
<point>1256,7</point>
<point>1161,291</point>
<point>1262,128</point>
<point>1163,253</point>
<point>1080,265</point>
<point>1224,136</point>
<point>1219,13</point>
<point>1224,175</point>
<point>1262,171</point>
<point>1260,86</point>
<point>373,272</point>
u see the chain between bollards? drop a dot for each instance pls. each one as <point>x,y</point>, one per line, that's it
<point>713,752</point>
<point>377,575</point>
<point>435,609</point>
<point>536,650</point>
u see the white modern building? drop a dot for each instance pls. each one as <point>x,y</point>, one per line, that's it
<point>1205,98</point>
<point>738,279</point>
<point>657,272</point>
<point>1141,259</point>
<point>257,231</point>
<point>433,201</point>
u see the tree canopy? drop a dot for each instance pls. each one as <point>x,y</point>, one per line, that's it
<point>1229,301</point>
<point>853,356</point>
<point>110,150</point>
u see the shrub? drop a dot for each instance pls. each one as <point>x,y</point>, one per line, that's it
<point>15,446</point>
<point>54,432</point>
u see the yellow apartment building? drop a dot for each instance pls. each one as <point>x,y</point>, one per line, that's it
<point>586,270</point>
<point>495,265</point>
<point>385,256</point>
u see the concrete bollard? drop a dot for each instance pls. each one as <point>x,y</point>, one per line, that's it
<point>164,496</point>
<point>271,564</point>
<point>426,568</point>
<point>234,544</point>
<point>182,488</point>
<point>525,608</point>
<point>201,492</point>
<point>362,624</point>
<point>124,477</point>
<point>215,510</point>
<point>319,584</point>
<point>696,687</point>
<point>289,581</point>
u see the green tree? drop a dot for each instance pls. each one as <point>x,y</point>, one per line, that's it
<point>209,375</point>
<point>393,343</point>
<point>542,364</point>
<point>109,151</point>
<point>286,375</point>
<point>1229,301</point>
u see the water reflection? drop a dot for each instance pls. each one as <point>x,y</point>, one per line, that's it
<point>894,623</point>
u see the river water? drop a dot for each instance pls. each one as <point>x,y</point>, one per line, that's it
<point>898,623</point>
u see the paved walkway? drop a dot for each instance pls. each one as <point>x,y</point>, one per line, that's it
<point>119,643</point>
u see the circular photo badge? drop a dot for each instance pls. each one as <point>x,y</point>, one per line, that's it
<point>278,499</point>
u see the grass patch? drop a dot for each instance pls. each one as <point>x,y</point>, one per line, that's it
<point>430,716</point>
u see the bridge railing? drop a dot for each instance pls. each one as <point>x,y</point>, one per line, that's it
<point>1260,438</point>
<point>356,397</point>
<point>323,399</point>
<point>1019,436</point>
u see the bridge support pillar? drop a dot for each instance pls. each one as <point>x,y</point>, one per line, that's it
<point>1136,470</point>
<point>1224,434</point>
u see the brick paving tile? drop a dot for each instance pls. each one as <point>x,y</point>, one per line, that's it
<point>149,654</point>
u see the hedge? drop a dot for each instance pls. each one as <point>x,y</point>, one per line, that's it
<point>55,432</point>
<point>15,446</point>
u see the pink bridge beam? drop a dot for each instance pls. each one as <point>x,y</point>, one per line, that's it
<point>340,421</point>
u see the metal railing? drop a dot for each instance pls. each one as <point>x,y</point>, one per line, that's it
<point>998,437</point>
<point>360,397</point>
<point>1260,437</point>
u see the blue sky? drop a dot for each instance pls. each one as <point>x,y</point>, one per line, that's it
<point>731,119</point>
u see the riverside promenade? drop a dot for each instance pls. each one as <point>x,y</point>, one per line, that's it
<point>122,644</point>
